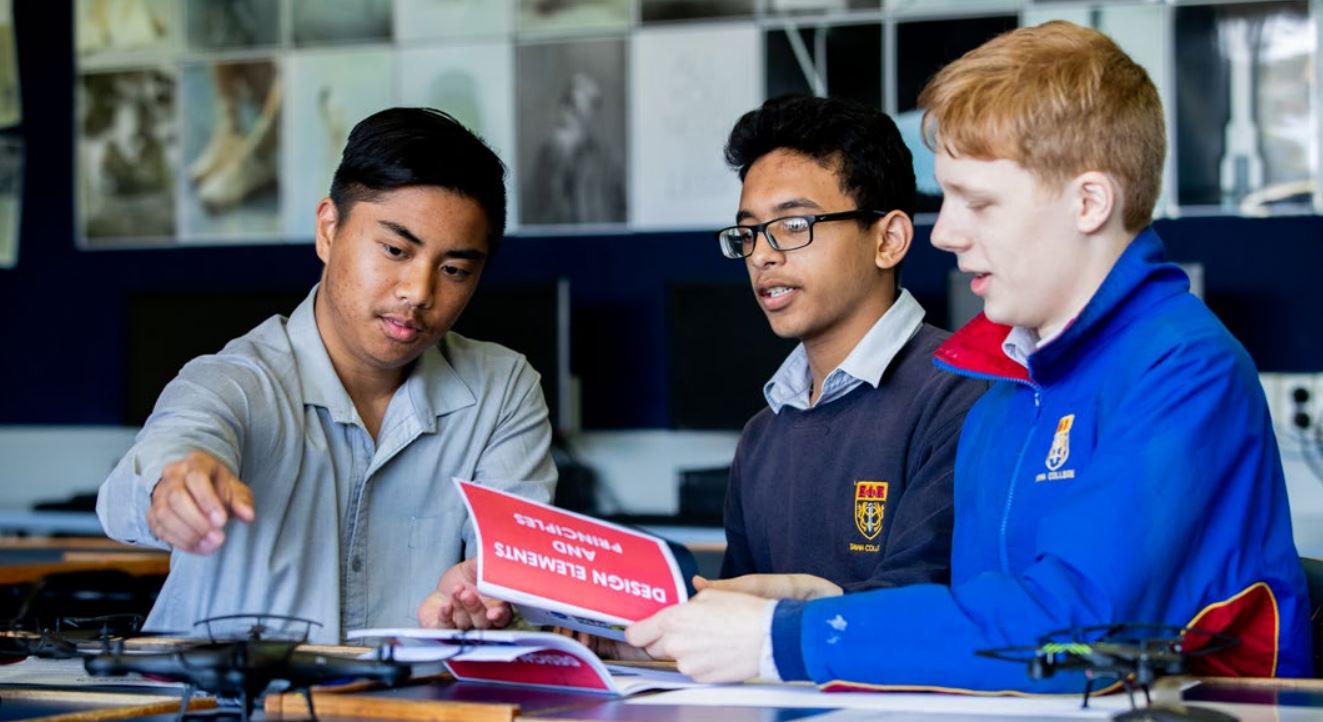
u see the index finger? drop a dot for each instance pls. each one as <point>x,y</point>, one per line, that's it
<point>201,484</point>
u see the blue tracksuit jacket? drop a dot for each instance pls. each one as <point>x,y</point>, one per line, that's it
<point>1130,474</point>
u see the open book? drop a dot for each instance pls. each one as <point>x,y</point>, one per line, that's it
<point>566,569</point>
<point>538,659</point>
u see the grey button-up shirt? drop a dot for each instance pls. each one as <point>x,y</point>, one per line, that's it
<point>348,533</point>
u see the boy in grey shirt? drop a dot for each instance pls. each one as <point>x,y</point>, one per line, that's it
<point>331,436</point>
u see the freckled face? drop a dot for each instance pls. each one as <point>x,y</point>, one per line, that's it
<point>1013,233</point>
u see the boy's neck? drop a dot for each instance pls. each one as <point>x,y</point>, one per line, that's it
<point>369,388</point>
<point>1100,255</point>
<point>828,350</point>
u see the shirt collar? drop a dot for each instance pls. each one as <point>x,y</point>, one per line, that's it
<point>1019,344</point>
<point>867,361</point>
<point>1022,342</point>
<point>433,387</point>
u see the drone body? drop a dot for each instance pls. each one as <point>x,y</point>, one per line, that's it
<point>1135,655</point>
<point>242,669</point>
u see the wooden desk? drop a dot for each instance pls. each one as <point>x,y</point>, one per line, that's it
<point>28,559</point>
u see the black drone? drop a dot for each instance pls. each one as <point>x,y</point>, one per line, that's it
<point>65,637</point>
<point>1135,655</point>
<point>242,669</point>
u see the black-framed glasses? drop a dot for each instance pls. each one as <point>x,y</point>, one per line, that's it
<point>783,234</point>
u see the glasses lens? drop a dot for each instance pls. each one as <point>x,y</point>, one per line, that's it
<point>736,242</point>
<point>792,232</point>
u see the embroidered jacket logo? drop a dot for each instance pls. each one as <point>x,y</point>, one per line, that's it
<point>870,505</point>
<point>1060,451</point>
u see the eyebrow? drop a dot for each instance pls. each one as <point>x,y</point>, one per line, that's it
<point>794,204</point>
<point>471,254</point>
<point>960,190</point>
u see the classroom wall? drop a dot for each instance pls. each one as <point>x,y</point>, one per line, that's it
<point>63,328</point>
<point>63,323</point>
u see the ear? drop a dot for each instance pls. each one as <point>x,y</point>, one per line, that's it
<point>1096,196</point>
<point>328,219</point>
<point>893,234</point>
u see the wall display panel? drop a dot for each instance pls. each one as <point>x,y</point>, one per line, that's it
<point>922,48</point>
<point>231,150</point>
<point>108,32</point>
<point>689,88</point>
<point>329,92</point>
<point>667,10</point>
<point>805,7</point>
<point>474,83</point>
<point>127,149</point>
<point>571,132</point>
<point>1247,128</point>
<point>571,15</point>
<point>316,22</point>
<point>950,7</point>
<point>844,61</point>
<point>1142,31</point>
<point>11,107</point>
<point>11,198</point>
<point>232,24</point>
<point>455,19</point>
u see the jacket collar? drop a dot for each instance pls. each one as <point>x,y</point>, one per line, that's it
<point>1141,277</point>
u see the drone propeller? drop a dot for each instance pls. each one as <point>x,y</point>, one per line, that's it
<point>258,626</point>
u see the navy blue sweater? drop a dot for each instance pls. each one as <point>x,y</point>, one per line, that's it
<point>858,490</point>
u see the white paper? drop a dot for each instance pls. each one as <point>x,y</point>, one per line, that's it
<point>541,617</point>
<point>800,697</point>
<point>327,94</point>
<point>474,83</point>
<point>688,87</point>
<point>504,645</point>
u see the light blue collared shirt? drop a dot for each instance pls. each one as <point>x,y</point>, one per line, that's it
<point>1021,343</point>
<point>868,360</point>
<point>350,532</point>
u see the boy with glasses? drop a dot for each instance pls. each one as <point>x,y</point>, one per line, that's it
<point>1122,468</point>
<point>844,481</point>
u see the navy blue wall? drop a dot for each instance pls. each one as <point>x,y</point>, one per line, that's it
<point>62,329</point>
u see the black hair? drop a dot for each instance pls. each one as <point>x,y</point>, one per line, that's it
<point>400,147</point>
<point>872,162</point>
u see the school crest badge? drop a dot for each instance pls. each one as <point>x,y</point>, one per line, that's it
<point>1060,451</point>
<point>870,506</point>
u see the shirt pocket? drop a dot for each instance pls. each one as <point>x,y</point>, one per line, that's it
<point>434,547</point>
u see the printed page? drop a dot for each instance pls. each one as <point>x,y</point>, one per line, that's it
<point>568,569</point>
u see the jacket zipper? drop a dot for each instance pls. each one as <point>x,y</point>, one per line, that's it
<point>1002,552</point>
<point>1003,549</point>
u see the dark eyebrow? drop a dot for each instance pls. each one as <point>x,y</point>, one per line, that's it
<point>794,204</point>
<point>467,254</point>
<point>402,232</point>
<point>470,254</point>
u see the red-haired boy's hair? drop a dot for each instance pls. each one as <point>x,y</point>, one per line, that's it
<point>1059,100</point>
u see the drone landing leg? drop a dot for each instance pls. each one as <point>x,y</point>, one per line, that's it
<point>246,706</point>
<point>183,703</point>
<point>1088,689</point>
<point>312,713</point>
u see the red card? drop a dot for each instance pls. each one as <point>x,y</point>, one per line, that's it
<point>581,572</point>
